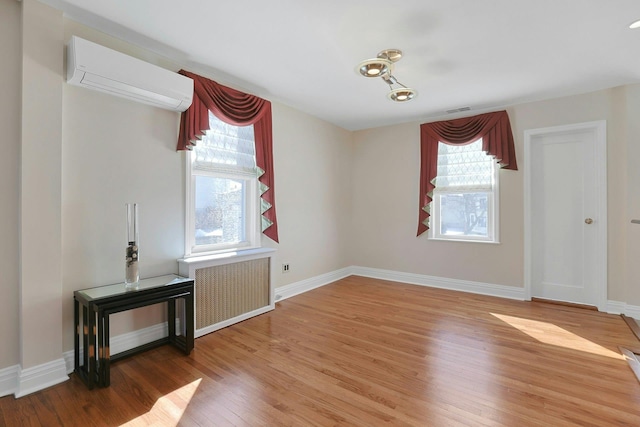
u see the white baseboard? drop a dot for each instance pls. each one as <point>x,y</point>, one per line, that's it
<point>502,291</point>
<point>137,338</point>
<point>9,380</point>
<point>632,311</point>
<point>20,382</point>
<point>617,307</point>
<point>40,377</point>
<point>127,341</point>
<point>287,291</point>
<point>489,289</point>
<point>296,288</point>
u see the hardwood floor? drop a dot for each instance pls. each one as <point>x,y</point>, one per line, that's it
<point>365,352</point>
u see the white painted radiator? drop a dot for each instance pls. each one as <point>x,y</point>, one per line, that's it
<point>228,291</point>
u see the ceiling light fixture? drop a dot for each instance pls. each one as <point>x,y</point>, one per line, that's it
<point>382,66</point>
<point>399,94</point>
<point>375,67</point>
<point>635,25</point>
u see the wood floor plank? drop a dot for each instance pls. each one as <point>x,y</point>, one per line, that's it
<point>367,352</point>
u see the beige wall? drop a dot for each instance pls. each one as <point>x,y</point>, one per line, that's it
<point>601,105</point>
<point>386,192</point>
<point>117,151</point>
<point>631,196</point>
<point>10,43</point>
<point>312,162</point>
<point>385,216</point>
<point>40,186</point>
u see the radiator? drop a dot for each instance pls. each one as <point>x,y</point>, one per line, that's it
<point>227,292</point>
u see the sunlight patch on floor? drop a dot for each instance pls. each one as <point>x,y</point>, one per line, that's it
<point>168,410</point>
<point>549,333</point>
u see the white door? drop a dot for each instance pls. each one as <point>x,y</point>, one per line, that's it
<point>565,213</point>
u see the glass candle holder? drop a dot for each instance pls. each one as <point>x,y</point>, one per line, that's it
<point>132,255</point>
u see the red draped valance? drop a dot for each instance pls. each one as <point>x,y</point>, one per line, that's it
<point>239,109</point>
<point>497,140</point>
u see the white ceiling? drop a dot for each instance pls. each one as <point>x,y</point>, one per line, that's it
<point>457,53</point>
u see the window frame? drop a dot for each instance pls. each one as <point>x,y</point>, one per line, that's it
<point>493,213</point>
<point>252,211</point>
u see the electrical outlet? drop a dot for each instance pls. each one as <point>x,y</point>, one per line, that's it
<point>285,268</point>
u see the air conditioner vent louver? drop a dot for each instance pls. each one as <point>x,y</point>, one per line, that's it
<point>99,68</point>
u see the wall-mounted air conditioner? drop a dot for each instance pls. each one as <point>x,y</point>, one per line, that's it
<point>97,67</point>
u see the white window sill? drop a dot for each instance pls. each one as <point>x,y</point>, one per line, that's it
<point>464,241</point>
<point>187,266</point>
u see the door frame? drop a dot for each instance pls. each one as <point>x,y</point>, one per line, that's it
<point>599,129</point>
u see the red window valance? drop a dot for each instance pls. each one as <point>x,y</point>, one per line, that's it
<point>239,109</point>
<point>497,140</point>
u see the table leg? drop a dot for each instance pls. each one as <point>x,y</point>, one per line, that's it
<point>100,331</point>
<point>85,344</point>
<point>188,322</point>
<point>171,319</point>
<point>106,351</point>
<point>76,338</point>
<point>90,349</point>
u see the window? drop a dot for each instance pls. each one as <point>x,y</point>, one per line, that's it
<point>222,208</point>
<point>466,194</point>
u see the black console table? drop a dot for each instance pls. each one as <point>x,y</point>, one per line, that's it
<point>98,303</point>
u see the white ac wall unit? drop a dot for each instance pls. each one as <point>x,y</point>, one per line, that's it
<point>99,68</point>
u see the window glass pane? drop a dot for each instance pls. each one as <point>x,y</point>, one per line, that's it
<point>223,191</point>
<point>464,167</point>
<point>464,214</point>
<point>219,210</point>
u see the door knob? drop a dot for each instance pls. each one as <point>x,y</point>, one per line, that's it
<point>588,221</point>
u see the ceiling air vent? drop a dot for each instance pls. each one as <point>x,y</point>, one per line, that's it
<point>458,110</point>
